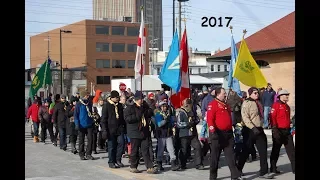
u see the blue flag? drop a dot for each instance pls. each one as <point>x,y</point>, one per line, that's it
<point>232,81</point>
<point>170,71</point>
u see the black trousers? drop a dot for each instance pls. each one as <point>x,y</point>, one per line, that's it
<point>101,142</point>
<point>285,139</point>
<point>82,133</point>
<point>115,148</point>
<point>56,132</point>
<point>94,138</point>
<point>63,137</point>
<point>142,144</point>
<point>186,142</point>
<point>261,143</point>
<point>73,134</point>
<point>44,128</point>
<point>222,140</point>
<point>151,150</point>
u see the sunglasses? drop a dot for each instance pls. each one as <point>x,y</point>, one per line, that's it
<point>255,93</point>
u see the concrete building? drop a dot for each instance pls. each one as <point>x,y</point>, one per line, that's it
<point>129,10</point>
<point>108,49</point>
<point>273,48</point>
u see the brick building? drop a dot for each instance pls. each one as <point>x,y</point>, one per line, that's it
<point>108,49</point>
<point>273,48</point>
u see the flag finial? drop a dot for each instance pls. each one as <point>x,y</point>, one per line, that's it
<point>231,29</point>
<point>244,33</point>
<point>185,21</point>
<point>141,7</point>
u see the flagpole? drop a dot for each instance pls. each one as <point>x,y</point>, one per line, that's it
<point>142,56</point>
<point>230,63</point>
<point>185,28</point>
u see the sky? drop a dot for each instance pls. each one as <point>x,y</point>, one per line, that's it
<point>252,15</point>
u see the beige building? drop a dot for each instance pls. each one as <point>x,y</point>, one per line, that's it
<point>107,50</point>
<point>273,48</point>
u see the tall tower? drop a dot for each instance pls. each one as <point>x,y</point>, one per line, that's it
<point>129,10</point>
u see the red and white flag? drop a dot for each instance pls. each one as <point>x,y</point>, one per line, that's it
<point>177,98</point>
<point>141,51</point>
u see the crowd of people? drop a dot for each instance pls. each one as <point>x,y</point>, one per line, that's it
<point>125,123</point>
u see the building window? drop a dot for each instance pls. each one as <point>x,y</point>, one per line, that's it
<point>190,71</point>
<point>199,70</point>
<point>131,47</point>
<point>158,70</point>
<point>132,31</point>
<point>103,79</point>
<point>102,30</point>
<point>118,47</point>
<point>118,30</point>
<point>225,67</point>
<point>218,68</point>
<point>212,68</point>
<point>131,63</point>
<point>263,64</point>
<point>119,77</point>
<point>102,47</point>
<point>102,63</point>
<point>118,64</point>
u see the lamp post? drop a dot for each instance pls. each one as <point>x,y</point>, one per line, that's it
<point>61,68</point>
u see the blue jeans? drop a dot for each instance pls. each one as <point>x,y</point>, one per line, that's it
<point>115,148</point>
<point>266,112</point>
<point>36,128</point>
<point>63,138</point>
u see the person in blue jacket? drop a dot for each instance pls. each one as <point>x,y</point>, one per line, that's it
<point>267,99</point>
<point>83,120</point>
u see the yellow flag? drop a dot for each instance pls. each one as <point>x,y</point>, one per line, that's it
<point>246,69</point>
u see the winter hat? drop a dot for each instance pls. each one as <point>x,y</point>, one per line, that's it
<point>250,90</point>
<point>204,89</point>
<point>84,93</point>
<point>114,94</point>
<point>150,95</point>
<point>161,103</point>
<point>283,92</point>
<point>138,95</point>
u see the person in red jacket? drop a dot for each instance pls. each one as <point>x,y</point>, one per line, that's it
<point>33,114</point>
<point>280,122</point>
<point>221,134</point>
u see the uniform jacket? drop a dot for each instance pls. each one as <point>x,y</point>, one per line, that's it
<point>219,116</point>
<point>112,123</point>
<point>81,115</point>
<point>186,123</point>
<point>250,114</point>
<point>59,115</point>
<point>280,115</point>
<point>33,112</point>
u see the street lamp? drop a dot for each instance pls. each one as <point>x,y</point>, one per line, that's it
<point>61,68</point>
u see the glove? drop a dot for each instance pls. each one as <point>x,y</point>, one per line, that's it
<point>255,131</point>
<point>104,135</point>
<point>275,133</point>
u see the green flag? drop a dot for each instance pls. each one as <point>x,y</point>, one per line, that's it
<point>42,77</point>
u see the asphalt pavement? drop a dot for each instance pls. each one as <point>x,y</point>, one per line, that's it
<point>46,162</point>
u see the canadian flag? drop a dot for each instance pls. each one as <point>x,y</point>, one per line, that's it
<point>178,97</point>
<point>141,51</point>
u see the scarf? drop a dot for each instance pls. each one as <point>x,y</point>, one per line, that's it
<point>260,108</point>
<point>143,120</point>
<point>115,107</point>
<point>86,105</point>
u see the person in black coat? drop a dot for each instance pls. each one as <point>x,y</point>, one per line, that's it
<point>113,127</point>
<point>71,131</point>
<point>60,120</point>
<point>137,117</point>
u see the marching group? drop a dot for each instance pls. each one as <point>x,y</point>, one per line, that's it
<point>124,124</point>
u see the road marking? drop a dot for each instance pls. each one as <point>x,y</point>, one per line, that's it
<point>129,175</point>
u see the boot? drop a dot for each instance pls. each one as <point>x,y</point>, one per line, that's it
<point>73,148</point>
<point>34,139</point>
<point>159,166</point>
<point>174,166</point>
